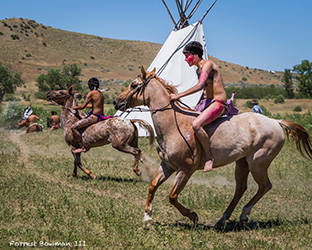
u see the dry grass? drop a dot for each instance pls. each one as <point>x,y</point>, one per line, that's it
<point>280,108</point>
<point>41,203</point>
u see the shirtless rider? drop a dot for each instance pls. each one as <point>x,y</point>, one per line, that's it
<point>96,114</point>
<point>210,80</point>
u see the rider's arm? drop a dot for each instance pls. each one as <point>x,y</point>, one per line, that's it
<point>199,86</point>
<point>85,103</point>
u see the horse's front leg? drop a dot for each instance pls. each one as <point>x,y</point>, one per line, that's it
<point>77,158</point>
<point>180,181</point>
<point>163,173</point>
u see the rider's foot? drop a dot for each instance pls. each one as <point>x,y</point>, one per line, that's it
<point>208,165</point>
<point>79,150</point>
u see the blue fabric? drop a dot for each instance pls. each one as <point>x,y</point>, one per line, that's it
<point>257,109</point>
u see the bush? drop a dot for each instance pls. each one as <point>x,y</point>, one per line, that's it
<point>12,114</point>
<point>297,108</point>
<point>15,37</point>
<point>279,99</point>
<point>40,95</point>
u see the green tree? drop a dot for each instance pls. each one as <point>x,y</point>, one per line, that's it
<point>8,82</point>
<point>56,79</point>
<point>305,77</point>
<point>288,84</point>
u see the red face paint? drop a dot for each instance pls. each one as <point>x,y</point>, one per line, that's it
<point>189,58</point>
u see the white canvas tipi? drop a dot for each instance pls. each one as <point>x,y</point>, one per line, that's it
<point>171,66</point>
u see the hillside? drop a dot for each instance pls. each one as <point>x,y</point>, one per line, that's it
<point>32,49</point>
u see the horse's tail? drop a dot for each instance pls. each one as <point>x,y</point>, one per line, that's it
<point>149,128</point>
<point>300,136</point>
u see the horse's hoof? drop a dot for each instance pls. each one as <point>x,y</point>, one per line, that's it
<point>147,224</point>
<point>243,220</point>
<point>92,176</point>
<point>195,218</point>
<point>137,172</point>
<point>219,225</point>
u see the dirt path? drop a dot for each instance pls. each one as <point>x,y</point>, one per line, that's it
<point>25,152</point>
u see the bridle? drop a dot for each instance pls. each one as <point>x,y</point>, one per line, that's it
<point>141,87</point>
<point>74,112</point>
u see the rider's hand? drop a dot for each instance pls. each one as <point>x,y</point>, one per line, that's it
<point>75,107</point>
<point>173,97</point>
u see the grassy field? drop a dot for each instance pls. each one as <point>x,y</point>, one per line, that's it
<point>41,205</point>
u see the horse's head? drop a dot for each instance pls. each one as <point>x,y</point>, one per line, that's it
<point>133,95</point>
<point>60,96</point>
<point>23,122</point>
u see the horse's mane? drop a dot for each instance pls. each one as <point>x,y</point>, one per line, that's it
<point>170,88</point>
<point>173,90</point>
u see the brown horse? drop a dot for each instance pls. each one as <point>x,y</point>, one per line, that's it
<point>121,133</point>
<point>34,127</point>
<point>251,140</point>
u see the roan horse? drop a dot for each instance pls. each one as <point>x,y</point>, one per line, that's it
<point>35,127</point>
<point>251,140</point>
<point>121,133</point>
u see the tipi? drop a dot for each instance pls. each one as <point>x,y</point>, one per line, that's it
<point>169,62</point>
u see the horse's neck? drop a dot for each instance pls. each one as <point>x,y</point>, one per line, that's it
<point>164,120</point>
<point>68,118</point>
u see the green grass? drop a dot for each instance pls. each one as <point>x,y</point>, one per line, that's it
<point>39,202</point>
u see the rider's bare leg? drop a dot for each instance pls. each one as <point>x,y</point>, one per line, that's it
<point>207,116</point>
<point>205,142</point>
<point>77,136</point>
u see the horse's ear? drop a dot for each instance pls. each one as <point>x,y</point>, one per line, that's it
<point>153,71</point>
<point>71,89</point>
<point>143,72</point>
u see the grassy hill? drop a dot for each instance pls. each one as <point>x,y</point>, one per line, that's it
<point>32,48</point>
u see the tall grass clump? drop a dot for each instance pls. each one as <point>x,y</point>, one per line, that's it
<point>12,114</point>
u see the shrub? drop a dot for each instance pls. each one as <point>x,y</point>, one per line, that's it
<point>15,37</point>
<point>12,114</point>
<point>297,108</point>
<point>279,99</point>
<point>26,97</point>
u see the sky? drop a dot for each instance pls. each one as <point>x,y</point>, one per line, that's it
<point>266,34</point>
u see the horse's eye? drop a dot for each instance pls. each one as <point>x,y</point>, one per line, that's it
<point>133,85</point>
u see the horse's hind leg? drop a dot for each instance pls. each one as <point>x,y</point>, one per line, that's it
<point>260,175</point>
<point>135,151</point>
<point>241,176</point>
<point>163,173</point>
<point>77,163</point>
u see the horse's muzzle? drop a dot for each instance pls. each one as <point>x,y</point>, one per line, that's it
<point>119,105</point>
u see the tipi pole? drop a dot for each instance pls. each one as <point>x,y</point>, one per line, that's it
<point>207,11</point>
